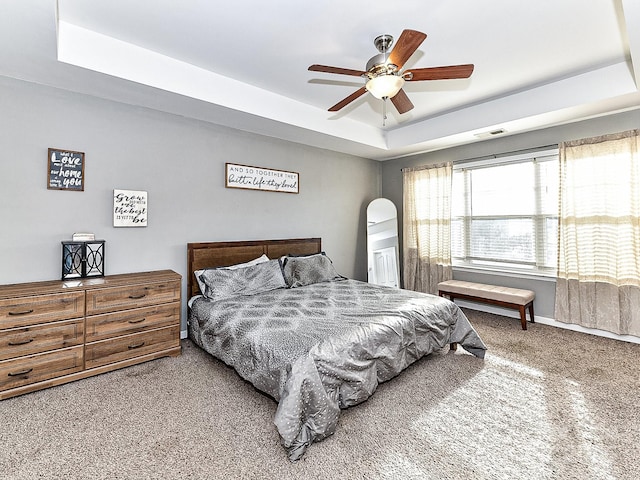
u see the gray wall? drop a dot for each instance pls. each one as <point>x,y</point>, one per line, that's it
<point>180,163</point>
<point>545,289</point>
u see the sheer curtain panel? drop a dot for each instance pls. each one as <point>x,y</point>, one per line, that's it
<point>598,284</point>
<point>427,227</point>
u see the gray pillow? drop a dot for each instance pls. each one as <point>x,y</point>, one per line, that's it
<point>301,271</point>
<point>224,283</point>
<point>261,259</point>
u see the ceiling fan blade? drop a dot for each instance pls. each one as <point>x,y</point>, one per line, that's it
<point>338,70</point>
<point>402,102</point>
<point>348,100</point>
<point>408,43</point>
<point>440,73</point>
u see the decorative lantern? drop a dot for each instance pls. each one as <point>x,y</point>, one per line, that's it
<point>82,259</point>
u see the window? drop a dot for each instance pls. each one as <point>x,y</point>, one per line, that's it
<point>504,213</point>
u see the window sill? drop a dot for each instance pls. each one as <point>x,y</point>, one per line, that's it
<point>506,273</point>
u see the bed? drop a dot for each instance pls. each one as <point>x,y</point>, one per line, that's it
<point>313,340</point>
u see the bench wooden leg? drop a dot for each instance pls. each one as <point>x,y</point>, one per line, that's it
<point>523,316</point>
<point>531,313</point>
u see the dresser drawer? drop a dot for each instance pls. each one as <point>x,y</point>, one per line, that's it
<point>112,299</point>
<point>23,311</point>
<point>108,325</point>
<point>35,368</point>
<point>41,338</point>
<point>130,346</point>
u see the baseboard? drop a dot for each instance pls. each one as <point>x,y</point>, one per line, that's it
<point>506,312</point>
<point>183,334</point>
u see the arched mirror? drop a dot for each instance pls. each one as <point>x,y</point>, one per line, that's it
<point>382,243</point>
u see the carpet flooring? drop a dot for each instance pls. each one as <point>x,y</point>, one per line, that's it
<point>545,403</point>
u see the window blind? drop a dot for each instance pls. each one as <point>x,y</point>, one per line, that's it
<point>505,213</point>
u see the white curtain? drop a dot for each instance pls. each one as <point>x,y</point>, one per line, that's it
<point>427,227</point>
<point>598,284</point>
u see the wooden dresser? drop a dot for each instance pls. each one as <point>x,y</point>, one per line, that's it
<point>60,331</point>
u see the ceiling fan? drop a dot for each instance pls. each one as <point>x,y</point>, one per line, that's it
<point>384,76</point>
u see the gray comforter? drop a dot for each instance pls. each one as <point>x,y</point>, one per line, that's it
<point>323,347</point>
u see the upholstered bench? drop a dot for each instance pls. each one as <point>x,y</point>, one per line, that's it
<point>493,294</point>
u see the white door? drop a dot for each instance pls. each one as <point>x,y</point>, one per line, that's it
<point>384,267</point>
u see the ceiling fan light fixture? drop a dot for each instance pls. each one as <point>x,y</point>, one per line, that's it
<point>385,86</point>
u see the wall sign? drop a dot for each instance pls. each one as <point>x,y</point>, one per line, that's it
<point>259,178</point>
<point>129,208</point>
<point>66,170</point>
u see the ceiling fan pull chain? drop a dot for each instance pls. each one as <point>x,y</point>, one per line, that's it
<point>384,111</point>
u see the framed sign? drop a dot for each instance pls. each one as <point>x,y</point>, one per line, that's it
<point>129,208</point>
<point>259,178</point>
<point>66,170</point>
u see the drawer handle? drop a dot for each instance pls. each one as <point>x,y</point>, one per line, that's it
<point>137,297</point>
<point>17,374</point>
<point>23,342</point>
<point>137,345</point>
<point>138,321</point>
<point>25,312</point>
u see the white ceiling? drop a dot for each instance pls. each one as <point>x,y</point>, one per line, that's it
<point>244,63</point>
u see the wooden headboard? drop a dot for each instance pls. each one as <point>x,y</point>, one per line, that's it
<point>221,254</point>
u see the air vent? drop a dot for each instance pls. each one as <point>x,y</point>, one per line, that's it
<point>490,133</point>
